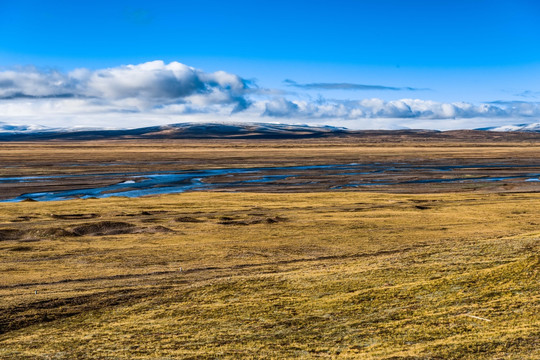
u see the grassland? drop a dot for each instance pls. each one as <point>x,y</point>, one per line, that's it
<point>258,275</point>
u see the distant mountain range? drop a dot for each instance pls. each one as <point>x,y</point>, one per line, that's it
<point>174,131</point>
<point>262,131</point>
<point>535,127</point>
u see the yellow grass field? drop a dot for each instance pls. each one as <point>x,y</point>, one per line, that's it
<point>255,275</point>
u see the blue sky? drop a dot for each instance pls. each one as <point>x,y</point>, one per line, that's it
<point>299,61</point>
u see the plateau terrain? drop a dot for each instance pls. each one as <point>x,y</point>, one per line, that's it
<point>320,248</point>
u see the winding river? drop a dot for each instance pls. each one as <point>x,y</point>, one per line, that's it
<point>329,177</point>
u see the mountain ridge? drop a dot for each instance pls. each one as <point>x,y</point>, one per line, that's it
<point>253,131</point>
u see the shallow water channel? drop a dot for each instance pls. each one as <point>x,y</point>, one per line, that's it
<point>322,177</point>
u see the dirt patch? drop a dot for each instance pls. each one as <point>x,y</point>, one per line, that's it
<point>237,222</point>
<point>188,219</point>
<point>225,220</point>
<point>74,216</point>
<point>157,229</point>
<point>276,219</point>
<point>105,228</point>
<point>156,212</point>
<point>151,220</point>
<point>115,228</point>
<point>21,248</point>
<point>23,218</point>
<point>11,234</point>
<point>34,234</point>
<point>55,232</point>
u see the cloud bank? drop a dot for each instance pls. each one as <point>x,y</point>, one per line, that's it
<point>404,109</point>
<point>156,93</point>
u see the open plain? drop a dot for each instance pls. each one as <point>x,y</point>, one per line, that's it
<point>379,163</point>
<point>413,269</point>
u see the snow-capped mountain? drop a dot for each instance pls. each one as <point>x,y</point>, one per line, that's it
<point>534,127</point>
<point>172,131</point>
<point>18,129</point>
<point>10,132</point>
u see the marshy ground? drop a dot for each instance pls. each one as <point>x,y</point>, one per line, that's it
<point>64,170</point>
<point>446,275</point>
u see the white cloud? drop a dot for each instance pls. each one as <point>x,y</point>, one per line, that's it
<point>155,93</point>
<point>403,108</point>
<point>30,82</point>
<point>151,83</point>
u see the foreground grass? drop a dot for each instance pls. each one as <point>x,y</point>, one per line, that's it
<point>349,275</point>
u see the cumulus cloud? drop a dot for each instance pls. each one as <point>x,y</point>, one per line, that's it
<point>32,83</point>
<point>151,84</point>
<point>345,86</point>
<point>521,108</point>
<point>404,108</point>
<point>156,93</point>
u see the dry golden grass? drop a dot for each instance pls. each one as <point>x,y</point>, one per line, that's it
<point>350,275</point>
